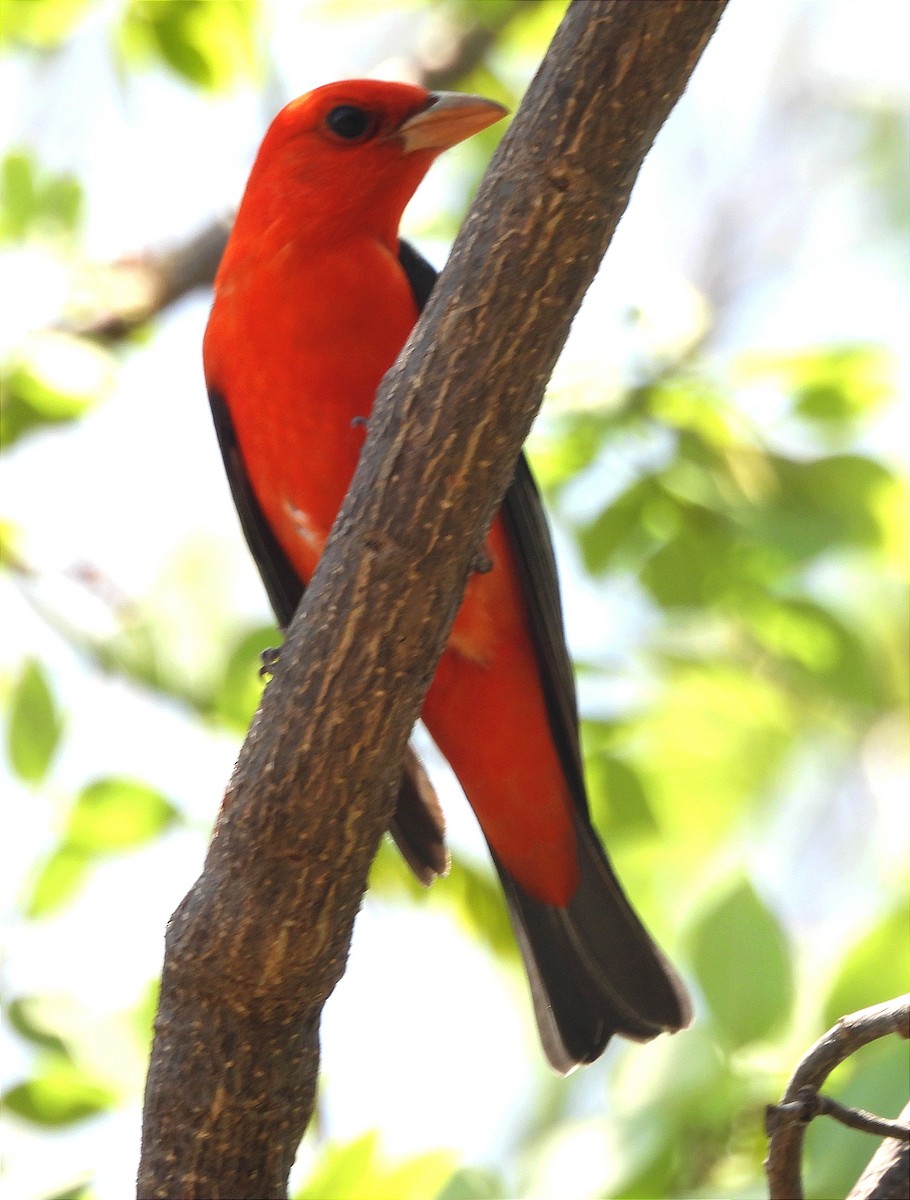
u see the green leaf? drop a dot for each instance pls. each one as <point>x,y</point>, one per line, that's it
<point>60,1094</point>
<point>473,894</point>
<point>10,543</point>
<point>472,1183</point>
<point>687,402</point>
<point>42,24</point>
<point>36,201</point>
<point>574,444</point>
<point>54,378</point>
<point>826,504</point>
<point>619,802</point>
<point>742,963</point>
<point>358,1171</point>
<point>34,724</point>
<point>79,1191</point>
<point>58,881</point>
<point>210,43</point>
<point>238,695</point>
<point>117,814</point>
<point>341,1170</point>
<point>61,203</point>
<point>24,1015</point>
<point>817,646</point>
<point>626,526</point>
<point>705,563</point>
<point>711,742</point>
<point>18,194</point>
<point>831,386</point>
<point>876,969</point>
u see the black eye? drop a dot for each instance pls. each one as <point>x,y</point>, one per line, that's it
<point>349,122</point>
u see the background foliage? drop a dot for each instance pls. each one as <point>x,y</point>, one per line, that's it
<point>721,453</point>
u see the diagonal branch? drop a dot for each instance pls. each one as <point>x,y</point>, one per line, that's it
<point>261,940</point>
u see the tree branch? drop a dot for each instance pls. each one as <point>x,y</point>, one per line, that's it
<point>786,1123</point>
<point>261,940</point>
<point>887,1177</point>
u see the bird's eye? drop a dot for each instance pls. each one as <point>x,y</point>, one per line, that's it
<point>349,122</point>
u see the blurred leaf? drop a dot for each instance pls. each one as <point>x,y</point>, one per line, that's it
<point>36,201</point>
<point>712,741</point>
<point>58,881</point>
<point>17,194</point>
<point>391,878</point>
<point>34,724</point>
<point>24,1015</point>
<point>417,1177</point>
<point>823,505</point>
<point>876,969</point>
<point>10,543</point>
<point>703,563</point>
<point>689,402</point>
<point>619,802</point>
<point>117,814</point>
<point>210,43</point>
<point>471,1183</point>
<point>357,1171</point>
<point>60,1094</point>
<point>42,24</point>
<point>238,696</point>
<point>892,511</point>
<point>472,893</point>
<point>832,385</point>
<point>341,1169</point>
<point>80,1191</point>
<point>814,642</point>
<point>557,459</point>
<point>742,962</point>
<point>628,524</point>
<point>54,378</point>
<point>884,157</point>
<point>681,1098</point>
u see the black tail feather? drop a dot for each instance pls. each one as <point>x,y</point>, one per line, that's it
<point>593,968</point>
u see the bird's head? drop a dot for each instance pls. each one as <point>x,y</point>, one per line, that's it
<point>360,147</point>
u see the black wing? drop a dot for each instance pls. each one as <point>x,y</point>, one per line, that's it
<point>282,583</point>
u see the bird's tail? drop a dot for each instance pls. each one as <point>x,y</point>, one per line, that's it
<point>594,969</point>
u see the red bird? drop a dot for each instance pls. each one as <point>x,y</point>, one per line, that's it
<point>314,298</point>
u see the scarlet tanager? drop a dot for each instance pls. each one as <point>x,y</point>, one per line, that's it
<point>314,298</point>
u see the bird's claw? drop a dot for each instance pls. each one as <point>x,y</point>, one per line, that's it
<point>268,661</point>
<point>482,563</point>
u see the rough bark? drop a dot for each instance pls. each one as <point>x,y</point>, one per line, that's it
<point>261,940</point>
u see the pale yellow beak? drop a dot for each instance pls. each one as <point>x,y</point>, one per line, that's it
<point>448,119</point>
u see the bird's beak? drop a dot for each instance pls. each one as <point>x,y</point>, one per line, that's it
<point>448,119</point>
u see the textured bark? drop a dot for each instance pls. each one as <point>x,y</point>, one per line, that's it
<point>261,940</point>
